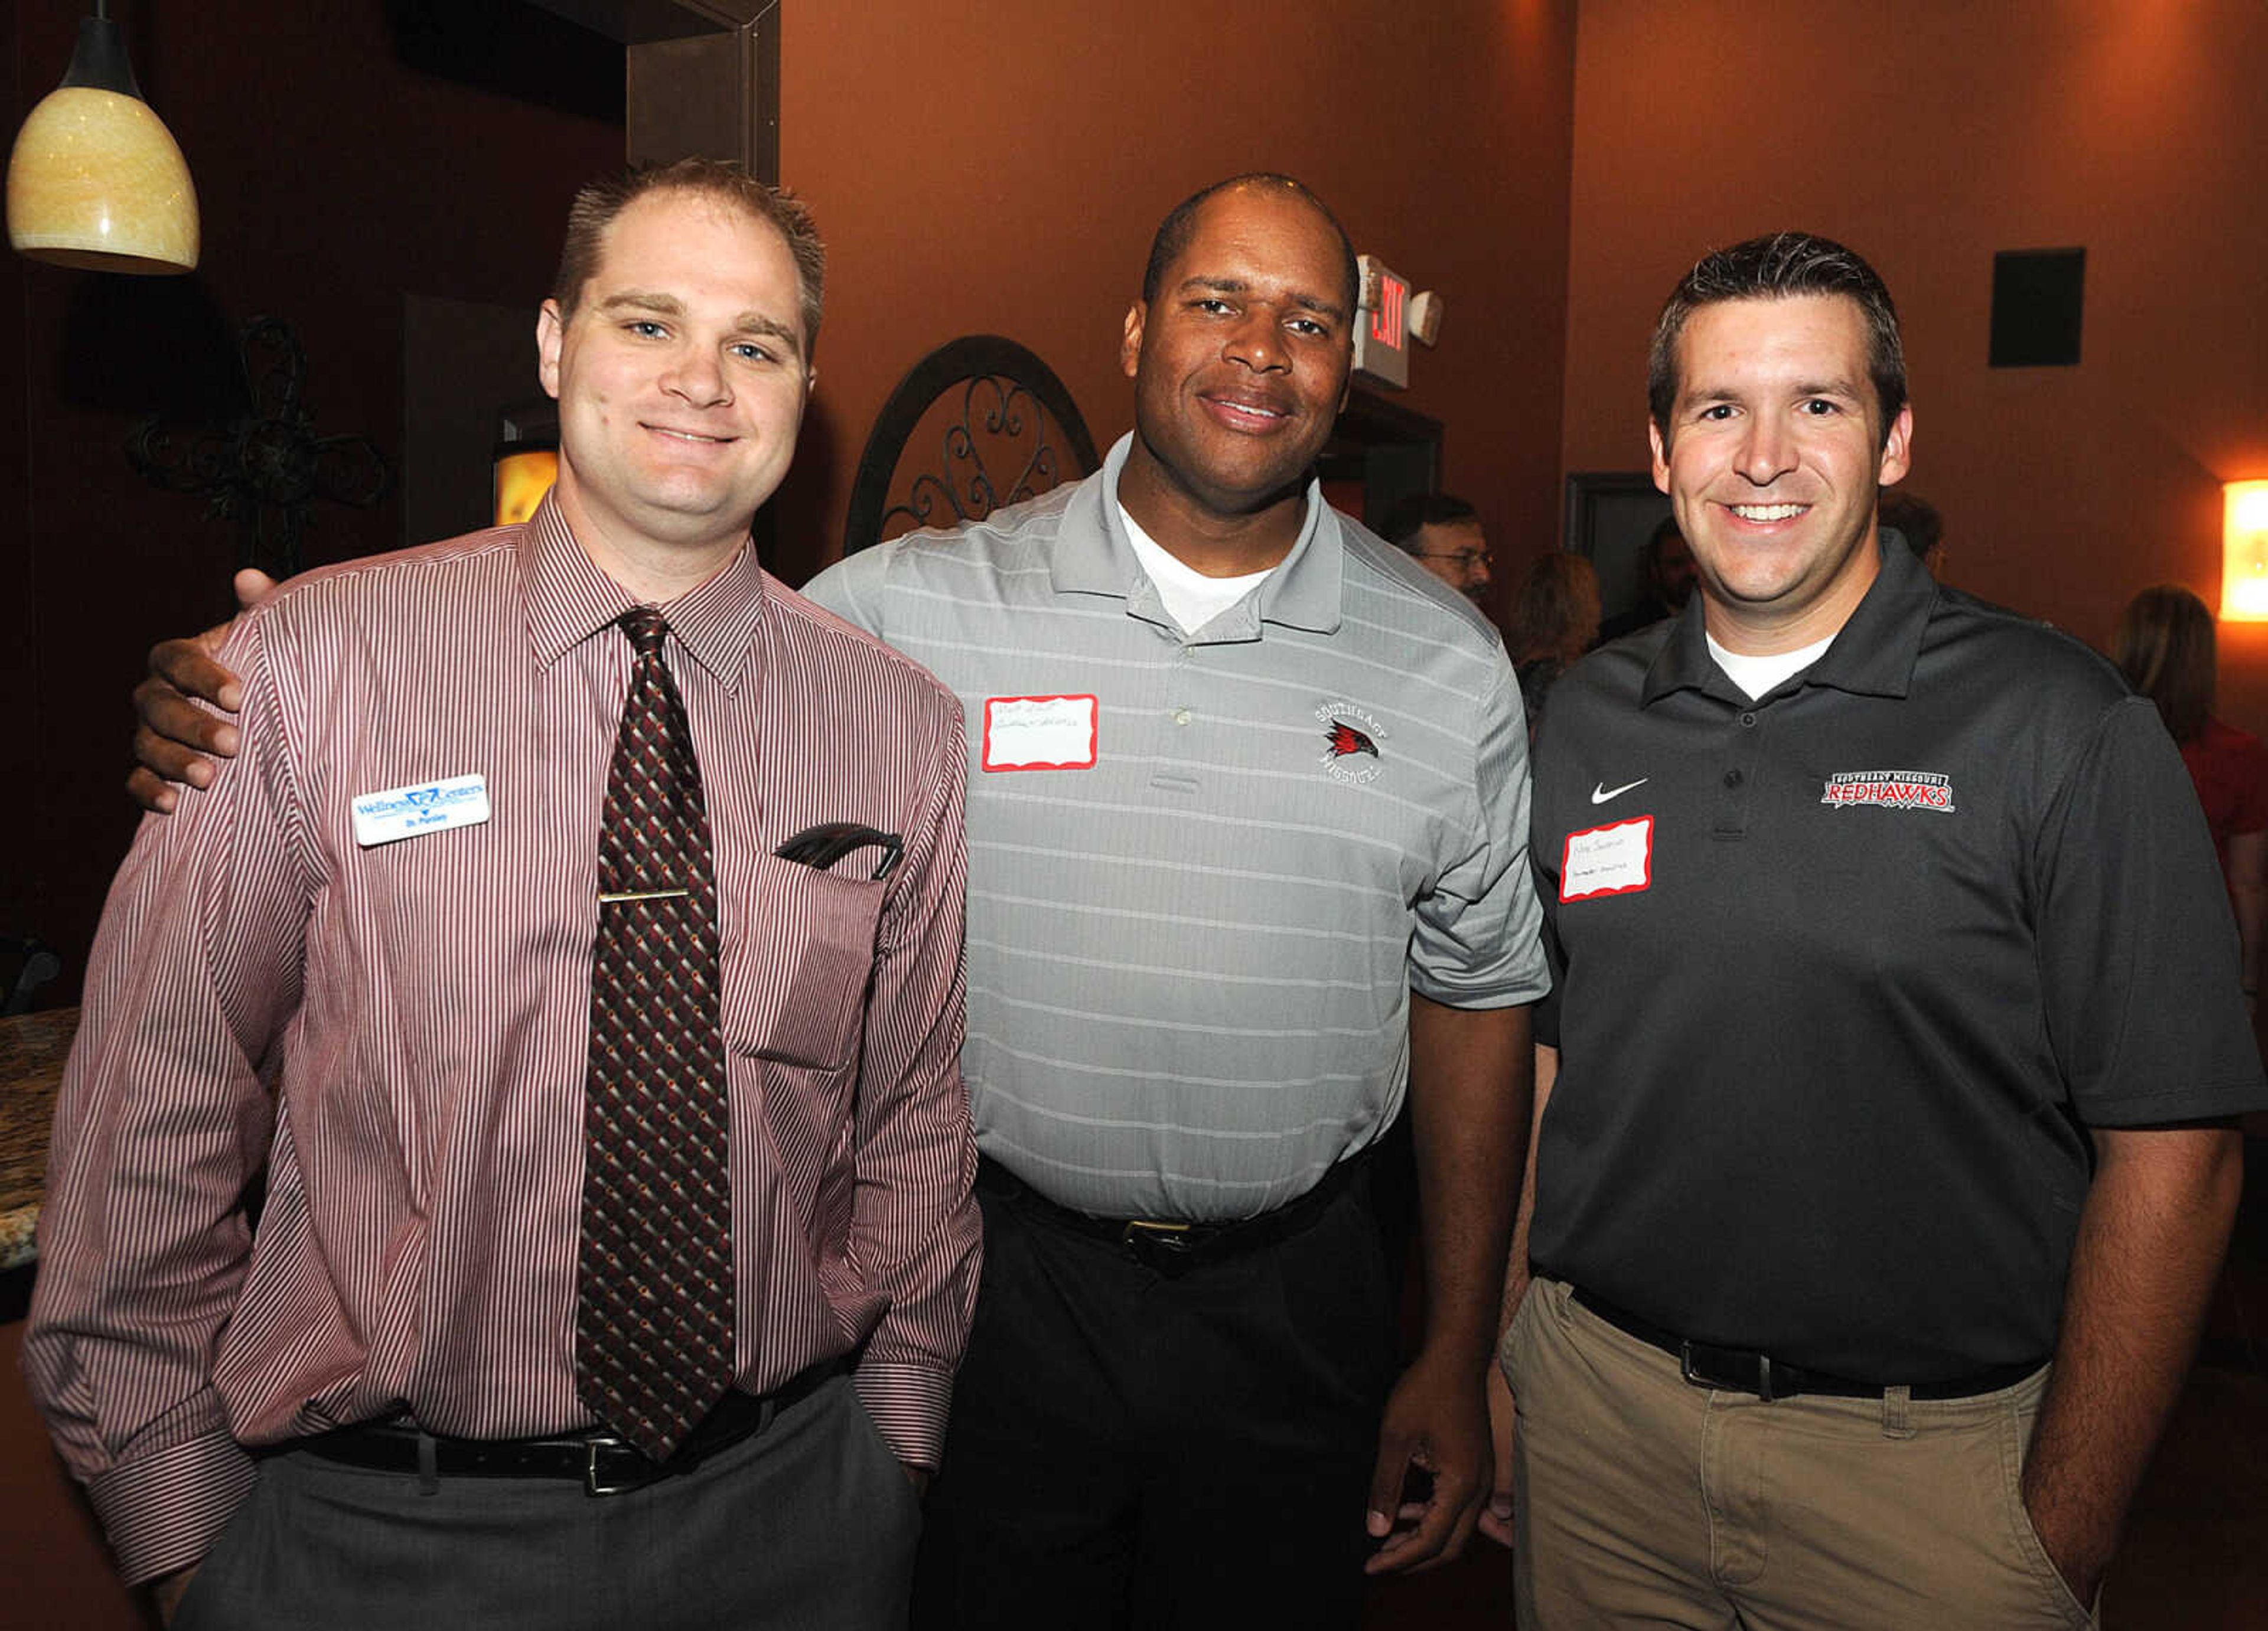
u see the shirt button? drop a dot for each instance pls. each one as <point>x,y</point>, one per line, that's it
<point>1181,715</point>
<point>1747,719</point>
<point>1732,778</point>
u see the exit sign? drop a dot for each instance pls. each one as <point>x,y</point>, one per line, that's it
<point>1381,335</point>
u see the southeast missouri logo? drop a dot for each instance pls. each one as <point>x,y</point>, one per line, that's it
<point>1351,739</point>
<point>1890,790</point>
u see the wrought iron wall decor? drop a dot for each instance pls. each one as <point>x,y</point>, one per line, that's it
<point>1003,389</point>
<point>266,467</point>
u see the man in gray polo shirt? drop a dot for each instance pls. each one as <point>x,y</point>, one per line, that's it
<point>1248,816</point>
<point>1247,804</point>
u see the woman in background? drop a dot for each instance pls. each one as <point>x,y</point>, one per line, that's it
<point>2165,645</point>
<point>1555,620</point>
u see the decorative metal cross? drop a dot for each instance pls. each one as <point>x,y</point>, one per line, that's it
<point>267,467</point>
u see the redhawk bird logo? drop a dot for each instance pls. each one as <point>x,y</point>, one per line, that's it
<point>1345,740</point>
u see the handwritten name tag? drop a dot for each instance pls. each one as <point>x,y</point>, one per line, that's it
<point>1039,734</point>
<point>1616,860</point>
<point>401,812</point>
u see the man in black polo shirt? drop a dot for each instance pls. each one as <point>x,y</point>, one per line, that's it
<point>1897,1000</point>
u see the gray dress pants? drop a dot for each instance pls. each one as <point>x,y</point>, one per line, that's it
<point>808,1525</point>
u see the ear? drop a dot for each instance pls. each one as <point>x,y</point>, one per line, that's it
<point>1130,348</point>
<point>1661,446</point>
<point>1896,448</point>
<point>550,334</point>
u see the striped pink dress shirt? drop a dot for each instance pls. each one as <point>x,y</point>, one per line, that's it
<point>391,1040</point>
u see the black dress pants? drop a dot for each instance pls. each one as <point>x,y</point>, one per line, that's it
<point>1162,1452</point>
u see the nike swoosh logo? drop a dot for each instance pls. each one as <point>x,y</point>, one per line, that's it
<point>1600,792</point>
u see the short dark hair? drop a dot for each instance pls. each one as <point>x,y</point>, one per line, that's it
<point>1914,519</point>
<point>597,205</point>
<point>1412,515</point>
<point>1181,225</point>
<point>1778,266</point>
<point>2164,646</point>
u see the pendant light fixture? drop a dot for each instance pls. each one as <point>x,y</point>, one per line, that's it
<point>97,181</point>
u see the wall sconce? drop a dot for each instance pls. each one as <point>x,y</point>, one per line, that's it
<point>97,182</point>
<point>2245,552</point>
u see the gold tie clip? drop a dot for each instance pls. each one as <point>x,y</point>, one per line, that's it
<point>616,896</point>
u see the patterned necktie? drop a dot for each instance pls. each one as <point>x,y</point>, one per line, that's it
<point>653,1316</point>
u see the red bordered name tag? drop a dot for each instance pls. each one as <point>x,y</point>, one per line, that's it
<point>1039,734</point>
<point>1616,860</point>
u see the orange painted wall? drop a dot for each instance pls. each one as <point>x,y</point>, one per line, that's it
<point>1001,168</point>
<point>1927,135</point>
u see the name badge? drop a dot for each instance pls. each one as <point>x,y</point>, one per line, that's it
<point>1039,734</point>
<point>1616,860</point>
<point>401,812</point>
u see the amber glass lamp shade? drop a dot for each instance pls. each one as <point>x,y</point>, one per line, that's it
<point>97,182</point>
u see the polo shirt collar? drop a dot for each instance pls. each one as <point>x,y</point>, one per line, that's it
<point>569,599</point>
<point>1873,655</point>
<point>1091,556</point>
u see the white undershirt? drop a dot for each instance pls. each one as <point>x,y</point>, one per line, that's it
<point>1191,599</point>
<point>1756,675</point>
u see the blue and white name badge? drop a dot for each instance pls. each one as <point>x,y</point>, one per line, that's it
<point>401,812</point>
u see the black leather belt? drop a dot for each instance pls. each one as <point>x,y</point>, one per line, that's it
<point>1744,1371</point>
<point>602,1462</point>
<point>1167,1246</point>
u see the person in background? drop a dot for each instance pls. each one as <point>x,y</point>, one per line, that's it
<point>577,1008</point>
<point>1667,562</point>
<point>1555,620</point>
<point>2165,647</point>
<point>1443,532</point>
<point>1916,521</point>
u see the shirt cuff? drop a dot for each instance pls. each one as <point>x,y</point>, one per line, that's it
<point>164,1512</point>
<point>909,1405</point>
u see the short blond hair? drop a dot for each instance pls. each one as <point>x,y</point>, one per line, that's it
<point>597,205</point>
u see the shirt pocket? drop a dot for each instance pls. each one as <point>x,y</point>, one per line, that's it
<point>795,977</point>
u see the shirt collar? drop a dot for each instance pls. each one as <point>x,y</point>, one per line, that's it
<point>1874,652</point>
<point>1091,556</point>
<point>569,599</point>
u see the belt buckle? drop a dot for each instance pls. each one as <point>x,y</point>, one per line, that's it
<point>595,1480</point>
<point>1163,1246</point>
<point>1761,1385</point>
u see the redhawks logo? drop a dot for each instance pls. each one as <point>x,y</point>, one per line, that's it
<point>1890,790</point>
<point>1351,739</point>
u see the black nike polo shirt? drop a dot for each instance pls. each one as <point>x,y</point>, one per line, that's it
<point>1845,972</point>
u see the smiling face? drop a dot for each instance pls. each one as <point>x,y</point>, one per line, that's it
<point>1239,363</point>
<point>681,379</point>
<point>1772,459</point>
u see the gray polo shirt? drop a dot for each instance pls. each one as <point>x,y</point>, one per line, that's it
<point>1206,870</point>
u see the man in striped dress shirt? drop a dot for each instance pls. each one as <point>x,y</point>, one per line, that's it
<point>1248,814</point>
<point>355,974</point>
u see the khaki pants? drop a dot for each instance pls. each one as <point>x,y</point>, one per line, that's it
<point>1644,1500</point>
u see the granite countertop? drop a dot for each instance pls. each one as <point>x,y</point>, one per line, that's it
<point>32,1048</point>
